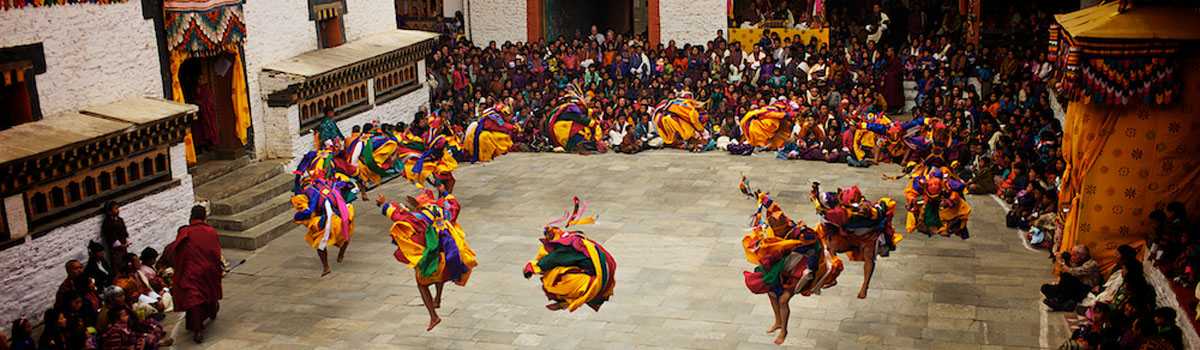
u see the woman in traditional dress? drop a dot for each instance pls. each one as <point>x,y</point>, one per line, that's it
<point>429,240</point>
<point>489,137</point>
<point>679,121</point>
<point>575,270</point>
<point>790,257</point>
<point>770,126</point>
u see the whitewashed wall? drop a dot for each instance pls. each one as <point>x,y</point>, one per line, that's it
<point>691,21</point>
<point>95,54</point>
<point>30,273</point>
<point>275,30</point>
<point>496,20</point>
<point>451,6</point>
<point>368,17</point>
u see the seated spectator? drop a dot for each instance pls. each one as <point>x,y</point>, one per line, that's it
<point>97,266</point>
<point>53,331</point>
<point>119,335</point>
<point>74,268</point>
<point>85,287</point>
<point>22,335</point>
<point>1146,336</point>
<point>1080,274</point>
<point>981,178</point>
<point>1164,322</point>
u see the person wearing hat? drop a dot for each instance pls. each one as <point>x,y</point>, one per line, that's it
<point>97,267</point>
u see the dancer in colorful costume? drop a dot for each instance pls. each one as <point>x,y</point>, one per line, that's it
<point>790,258</point>
<point>896,144</point>
<point>429,240</point>
<point>377,152</point>
<point>489,137</point>
<point>570,125</point>
<point>770,126</point>
<point>680,122</point>
<point>430,155</point>
<point>323,199</point>
<point>936,205</point>
<point>575,270</point>
<point>864,142</point>
<point>852,225</point>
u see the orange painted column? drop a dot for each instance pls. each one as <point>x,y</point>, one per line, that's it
<point>533,20</point>
<point>653,22</point>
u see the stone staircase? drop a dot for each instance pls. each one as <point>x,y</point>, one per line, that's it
<point>248,202</point>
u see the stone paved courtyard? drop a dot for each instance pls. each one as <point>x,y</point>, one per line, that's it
<point>674,221</point>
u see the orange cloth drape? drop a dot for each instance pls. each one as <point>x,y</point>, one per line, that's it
<point>1123,163</point>
<point>240,99</point>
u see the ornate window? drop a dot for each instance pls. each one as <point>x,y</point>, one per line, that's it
<point>18,91</point>
<point>327,15</point>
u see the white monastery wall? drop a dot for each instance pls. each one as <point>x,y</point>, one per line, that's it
<point>498,20</point>
<point>367,17</point>
<point>30,273</point>
<point>451,6</point>
<point>691,21</point>
<point>95,54</point>
<point>275,30</point>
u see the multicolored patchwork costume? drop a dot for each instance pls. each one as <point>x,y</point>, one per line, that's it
<point>575,270</point>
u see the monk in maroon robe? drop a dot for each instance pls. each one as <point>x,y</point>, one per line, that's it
<point>893,81</point>
<point>204,129</point>
<point>198,272</point>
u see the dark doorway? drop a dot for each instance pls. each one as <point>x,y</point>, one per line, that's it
<point>568,17</point>
<point>208,83</point>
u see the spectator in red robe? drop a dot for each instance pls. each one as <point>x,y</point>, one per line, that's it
<point>198,272</point>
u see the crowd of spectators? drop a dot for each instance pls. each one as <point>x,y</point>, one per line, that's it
<point>114,300</point>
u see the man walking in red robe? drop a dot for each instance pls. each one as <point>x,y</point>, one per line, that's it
<point>198,272</point>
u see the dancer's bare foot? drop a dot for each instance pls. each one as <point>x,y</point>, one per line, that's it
<point>773,329</point>
<point>326,272</point>
<point>554,306</point>
<point>433,323</point>
<point>862,294</point>
<point>781,337</point>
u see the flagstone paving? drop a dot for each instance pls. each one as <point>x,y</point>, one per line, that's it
<point>673,221</point>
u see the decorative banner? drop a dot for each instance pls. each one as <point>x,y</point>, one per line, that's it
<point>16,4</point>
<point>1126,161</point>
<point>198,26</point>
<point>1110,72</point>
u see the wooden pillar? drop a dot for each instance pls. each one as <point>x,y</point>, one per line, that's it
<point>652,25</point>
<point>533,19</point>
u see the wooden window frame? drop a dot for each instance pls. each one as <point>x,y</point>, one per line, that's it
<point>21,64</point>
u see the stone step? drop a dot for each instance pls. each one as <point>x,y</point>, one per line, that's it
<point>257,236</point>
<point>207,171</point>
<point>910,84</point>
<point>278,205</point>
<point>253,196</point>
<point>239,180</point>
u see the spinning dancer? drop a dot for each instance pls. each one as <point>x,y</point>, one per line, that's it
<point>431,155</point>
<point>936,205</point>
<point>575,270</point>
<point>429,240</point>
<point>791,258</point>
<point>852,225</point>
<point>679,122</point>
<point>896,144</point>
<point>770,126</point>
<point>571,127</point>
<point>323,197</point>
<point>489,137</point>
